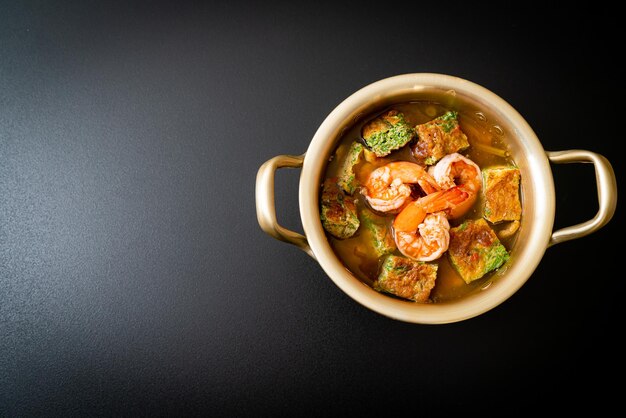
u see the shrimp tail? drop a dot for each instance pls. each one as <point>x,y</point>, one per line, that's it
<point>413,214</point>
<point>428,184</point>
<point>445,199</point>
<point>410,217</point>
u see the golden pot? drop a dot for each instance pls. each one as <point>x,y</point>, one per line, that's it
<point>537,190</point>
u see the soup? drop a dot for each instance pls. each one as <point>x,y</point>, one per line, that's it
<point>421,201</point>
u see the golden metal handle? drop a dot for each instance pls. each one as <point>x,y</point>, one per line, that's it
<point>265,208</point>
<point>607,193</point>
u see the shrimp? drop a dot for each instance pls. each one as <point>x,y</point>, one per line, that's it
<point>422,230</point>
<point>388,189</point>
<point>457,170</point>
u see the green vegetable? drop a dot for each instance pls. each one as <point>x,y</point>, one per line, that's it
<point>475,250</point>
<point>337,211</point>
<point>379,232</point>
<point>406,278</point>
<point>347,179</point>
<point>387,133</point>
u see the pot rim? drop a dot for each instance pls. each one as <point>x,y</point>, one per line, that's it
<point>517,273</point>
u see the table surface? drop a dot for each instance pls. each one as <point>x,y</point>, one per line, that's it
<point>135,279</point>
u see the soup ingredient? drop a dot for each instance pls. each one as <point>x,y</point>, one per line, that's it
<point>508,231</point>
<point>347,179</point>
<point>388,187</point>
<point>370,157</point>
<point>406,278</point>
<point>421,230</point>
<point>457,170</point>
<point>428,241</point>
<point>338,211</point>
<point>387,133</point>
<point>439,137</point>
<point>475,250</point>
<point>502,202</point>
<point>378,232</point>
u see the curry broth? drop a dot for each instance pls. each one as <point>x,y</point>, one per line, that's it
<point>486,142</point>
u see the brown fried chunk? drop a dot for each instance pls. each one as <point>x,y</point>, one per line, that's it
<point>438,138</point>
<point>378,232</point>
<point>475,249</point>
<point>406,278</point>
<point>337,211</point>
<point>501,192</point>
<point>347,179</point>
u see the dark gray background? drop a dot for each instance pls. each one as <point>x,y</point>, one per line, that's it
<point>135,280</point>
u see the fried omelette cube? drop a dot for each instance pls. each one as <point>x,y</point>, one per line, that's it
<point>378,232</point>
<point>475,249</point>
<point>337,211</point>
<point>501,193</point>
<point>438,138</point>
<point>406,278</point>
<point>347,179</point>
<point>387,133</point>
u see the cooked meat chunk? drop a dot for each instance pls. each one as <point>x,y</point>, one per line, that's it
<point>406,278</point>
<point>338,211</point>
<point>438,138</point>
<point>378,232</point>
<point>387,133</point>
<point>347,179</point>
<point>501,192</point>
<point>475,249</point>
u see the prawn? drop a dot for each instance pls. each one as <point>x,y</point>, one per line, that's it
<point>388,188</point>
<point>421,229</point>
<point>455,170</point>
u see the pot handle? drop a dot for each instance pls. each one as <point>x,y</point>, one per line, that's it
<point>607,193</point>
<point>265,209</point>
